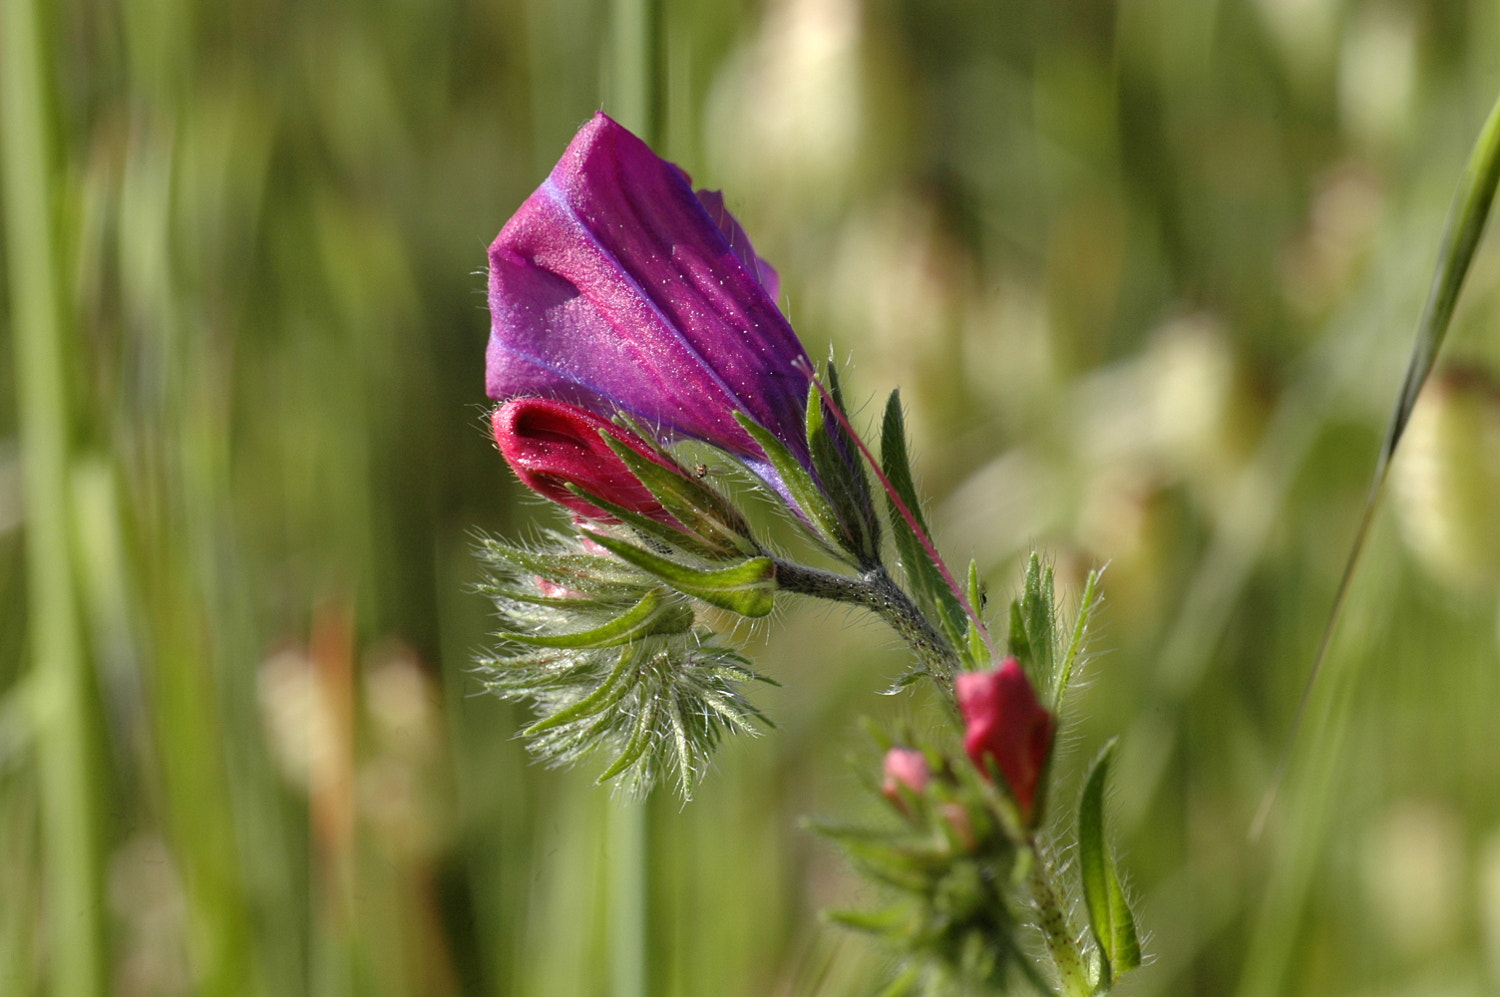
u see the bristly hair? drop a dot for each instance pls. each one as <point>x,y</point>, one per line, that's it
<point>613,662</point>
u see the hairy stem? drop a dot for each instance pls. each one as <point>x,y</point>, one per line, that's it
<point>878,592</point>
<point>1057,932</point>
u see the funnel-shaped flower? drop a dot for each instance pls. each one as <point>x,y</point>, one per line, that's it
<point>615,287</point>
<point>551,445</point>
<point>1004,721</point>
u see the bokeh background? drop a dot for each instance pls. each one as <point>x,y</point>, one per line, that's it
<point>1146,272</point>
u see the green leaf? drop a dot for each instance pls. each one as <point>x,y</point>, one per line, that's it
<point>979,651</point>
<point>693,504</point>
<point>610,691</point>
<point>640,740</point>
<point>799,482</point>
<point>591,573</point>
<point>1040,620</point>
<point>837,461</point>
<point>877,922</point>
<point>747,588</point>
<point>927,582</point>
<point>653,614</point>
<point>670,536</point>
<point>1020,641</point>
<point>1086,606</point>
<point>1109,913</point>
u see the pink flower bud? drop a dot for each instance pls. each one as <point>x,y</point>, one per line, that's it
<point>1004,721</point>
<point>552,444</point>
<point>904,767</point>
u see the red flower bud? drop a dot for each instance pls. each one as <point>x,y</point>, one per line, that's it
<point>551,444</point>
<point>904,767</point>
<point>1003,720</point>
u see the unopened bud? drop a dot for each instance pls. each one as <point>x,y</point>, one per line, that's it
<point>904,768</point>
<point>552,444</point>
<point>1004,721</point>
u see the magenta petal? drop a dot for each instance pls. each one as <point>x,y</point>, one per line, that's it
<point>739,241</point>
<point>614,288</point>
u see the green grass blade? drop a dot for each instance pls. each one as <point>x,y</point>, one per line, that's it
<point>1466,220</point>
<point>72,874</point>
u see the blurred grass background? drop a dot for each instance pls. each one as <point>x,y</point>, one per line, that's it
<point>1146,273</point>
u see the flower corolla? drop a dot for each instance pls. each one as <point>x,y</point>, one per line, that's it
<point>615,287</point>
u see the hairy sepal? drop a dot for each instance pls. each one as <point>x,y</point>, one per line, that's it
<point>937,600</point>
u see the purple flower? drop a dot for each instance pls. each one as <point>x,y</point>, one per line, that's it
<point>615,287</point>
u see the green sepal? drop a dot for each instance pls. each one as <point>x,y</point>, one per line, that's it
<point>877,922</point>
<point>1086,605</point>
<point>799,482</point>
<point>1033,627</point>
<point>655,613</point>
<point>640,740</point>
<point>609,692</point>
<point>591,573</point>
<point>1110,918</point>
<point>979,651</point>
<point>1041,617</point>
<point>671,536</point>
<point>1019,640</point>
<point>701,509</point>
<point>574,603</point>
<point>927,582</point>
<point>747,588</point>
<point>837,462</point>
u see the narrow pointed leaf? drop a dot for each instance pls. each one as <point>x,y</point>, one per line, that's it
<point>926,580</point>
<point>803,488</point>
<point>1020,640</point>
<point>1109,913</point>
<point>640,740</point>
<point>588,572</point>
<point>747,588</point>
<point>1040,619</point>
<point>979,651</point>
<point>837,463</point>
<point>692,503</point>
<point>1086,605</point>
<point>671,536</point>
<point>609,692</point>
<point>653,614</point>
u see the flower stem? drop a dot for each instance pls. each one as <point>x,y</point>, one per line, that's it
<point>1057,931</point>
<point>878,592</point>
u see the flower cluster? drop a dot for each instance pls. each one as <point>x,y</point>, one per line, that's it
<point>630,314</point>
